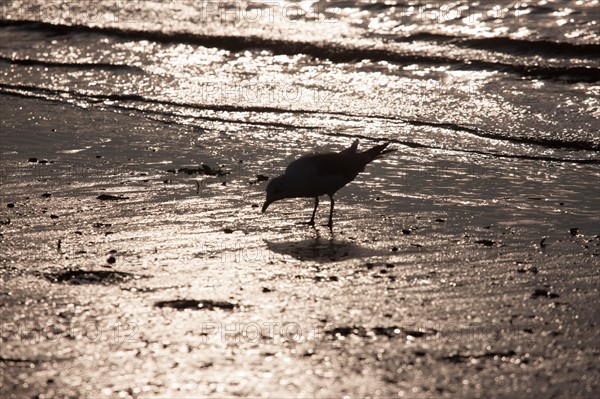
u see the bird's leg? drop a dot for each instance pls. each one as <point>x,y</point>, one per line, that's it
<point>312,219</point>
<point>330,224</point>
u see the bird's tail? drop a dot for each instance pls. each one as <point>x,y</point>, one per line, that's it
<point>378,151</point>
<point>352,149</point>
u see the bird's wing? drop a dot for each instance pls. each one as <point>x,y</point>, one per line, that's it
<point>330,164</point>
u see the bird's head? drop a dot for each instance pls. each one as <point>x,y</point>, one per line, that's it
<point>277,189</point>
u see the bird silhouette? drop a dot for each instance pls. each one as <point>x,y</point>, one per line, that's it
<point>320,174</point>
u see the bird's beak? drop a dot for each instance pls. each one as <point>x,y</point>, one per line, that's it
<point>266,205</point>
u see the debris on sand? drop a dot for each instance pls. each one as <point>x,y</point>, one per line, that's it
<point>202,169</point>
<point>522,269</point>
<point>81,277</point>
<point>204,304</point>
<point>543,242</point>
<point>108,197</point>
<point>258,179</point>
<point>542,292</point>
<point>574,231</point>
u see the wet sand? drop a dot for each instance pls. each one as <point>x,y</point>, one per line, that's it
<point>445,275</point>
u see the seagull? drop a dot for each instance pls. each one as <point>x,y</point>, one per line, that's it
<point>320,174</point>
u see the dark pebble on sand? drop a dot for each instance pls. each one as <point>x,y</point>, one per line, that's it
<point>262,178</point>
<point>43,161</point>
<point>440,220</point>
<point>255,205</point>
<point>487,243</point>
<point>32,159</point>
<point>574,231</point>
<point>46,195</point>
<point>406,231</point>
<point>53,216</point>
<point>541,292</point>
<point>111,260</point>
<point>394,249</point>
<point>10,205</point>
<point>227,231</point>
<point>265,289</point>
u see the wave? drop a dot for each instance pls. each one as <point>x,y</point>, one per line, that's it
<point>129,98</point>
<point>74,65</point>
<point>511,46</point>
<point>333,52</point>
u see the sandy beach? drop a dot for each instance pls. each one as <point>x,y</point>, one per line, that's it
<point>137,140</point>
<point>180,287</point>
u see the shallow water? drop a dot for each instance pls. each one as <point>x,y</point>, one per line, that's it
<point>438,75</point>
